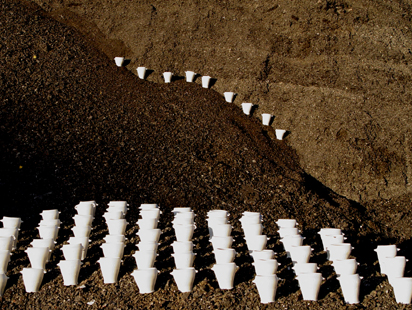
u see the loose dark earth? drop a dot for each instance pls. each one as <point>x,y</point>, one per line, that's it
<point>73,127</point>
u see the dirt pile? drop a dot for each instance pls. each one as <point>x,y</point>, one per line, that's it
<point>333,72</point>
<point>75,127</point>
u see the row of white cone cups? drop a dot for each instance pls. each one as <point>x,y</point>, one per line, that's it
<point>146,274</point>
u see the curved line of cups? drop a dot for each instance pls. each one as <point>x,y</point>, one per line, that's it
<point>229,96</point>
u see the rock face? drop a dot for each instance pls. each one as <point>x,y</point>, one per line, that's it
<point>333,73</point>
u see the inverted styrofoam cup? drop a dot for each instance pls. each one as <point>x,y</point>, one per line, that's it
<point>141,72</point>
<point>256,242</point>
<point>300,254</point>
<point>84,241</point>
<point>264,254</point>
<point>3,283</point>
<point>247,107</point>
<point>113,249</point>
<point>292,240</point>
<point>32,278</point>
<point>384,251</point>
<point>72,251</point>
<point>181,209</point>
<point>184,278</point>
<point>114,238</point>
<point>309,284</point>
<point>345,266</point>
<point>6,243</point>
<point>280,133</point>
<point>221,230</point>
<point>339,251</point>
<point>182,246</point>
<point>305,268</point>
<point>145,279</point>
<point>116,227</point>
<point>184,260</point>
<point>266,117</point>
<point>402,287</point>
<point>266,285</point>
<point>81,231</point>
<point>86,208</point>
<point>284,223</point>
<point>221,242</point>
<point>118,206</point>
<point>224,256</point>
<point>50,214</point>
<point>225,275</point>
<point>7,232</point>
<point>147,246</point>
<point>188,216</point>
<point>265,267</point>
<point>190,75</point>
<point>394,267</point>
<point>206,81</point>
<point>50,243</point>
<point>251,230</point>
<point>11,222</point>
<point>217,213</point>
<point>250,220</point>
<point>38,257</point>
<point>145,259</point>
<point>70,270</point>
<point>83,220</point>
<point>149,235</point>
<point>50,222</point>
<point>4,260</point>
<point>148,223</point>
<point>184,232</point>
<point>110,267</point>
<point>287,231</point>
<point>167,76</point>
<point>119,61</point>
<point>113,215</point>
<point>152,213</point>
<point>229,96</point>
<point>350,285</point>
<point>148,206</point>
<point>327,240</point>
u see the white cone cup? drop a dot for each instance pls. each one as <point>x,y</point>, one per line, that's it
<point>256,243</point>
<point>339,251</point>
<point>141,72</point>
<point>264,254</point>
<point>86,209</point>
<point>4,260</point>
<point>148,214</point>
<point>82,231</point>
<point>149,235</point>
<point>293,240</point>
<point>251,214</point>
<point>266,286</point>
<point>119,61</point>
<point>247,107</point>
<point>3,283</point>
<point>224,256</point>
<point>288,231</point>
<point>84,241</point>
<point>32,278</point>
<point>384,251</point>
<point>38,257</point>
<point>110,267</point>
<point>38,243</point>
<point>212,222</point>
<point>350,285</point>
<point>113,249</point>
<point>345,266</point>
<point>114,238</point>
<point>148,206</point>
<point>11,222</point>
<point>118,207</point>
<point>217,213</point>
<point>305,268</point>
<point>147,223</point>
<point>83,220</point>
<point>402,287</point>
<point>394,267</point>
<point>280,133</point>
<point>229,96</point>
<point>185,216</point>
<point>53,222</point>
<point>182,221</point>
<point>145,259</point>
<point>113,215</point>
<point>221,242</point>
<point>167,76</point>
<point>300,254</point>
<point>327,240</point>
<point>184,260</point>
<point>6,243</point>
<point>116,227</point>
<point>329,231</point>
<point>309,284</point>
<point>181,209</point>
<point>70,270</point>
<point>184,278</point>
<point>7,232</point>
<point>225,275</point>
<point>284,223</point>
<point>147,246</point>
<point>251,230</point>
<point>184,232</point>
<point>50,214</point>
<point>145,279</point>
<point>182,246</point>
<point>72,251</point>
<point>265,267</point>
<point>118,203</point>
<point>206,81</point>
<point>93,202</point>
<point>250,220</point>
<point>222,230</point>
<point>266,119</point>
<point>190,75</point>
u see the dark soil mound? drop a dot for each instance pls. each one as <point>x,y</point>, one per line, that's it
<point>75,127</point>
